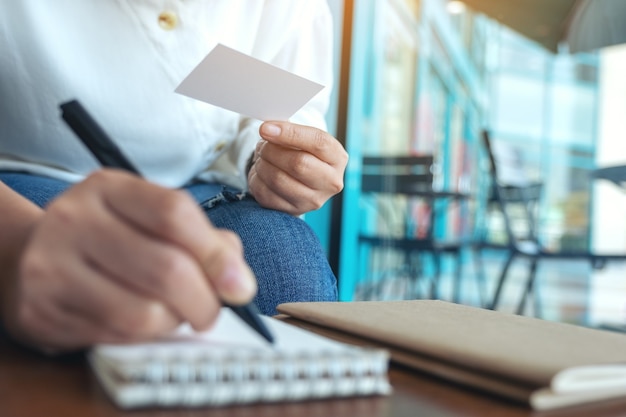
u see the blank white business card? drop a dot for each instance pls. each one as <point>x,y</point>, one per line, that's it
<point>238,82</point>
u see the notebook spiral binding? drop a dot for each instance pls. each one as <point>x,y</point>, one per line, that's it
<point>260,368</point>
<point>266,378</point>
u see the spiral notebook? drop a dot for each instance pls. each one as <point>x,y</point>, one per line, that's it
<point>231,364</point>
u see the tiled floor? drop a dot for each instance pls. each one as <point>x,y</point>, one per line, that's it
<point>568,291</point>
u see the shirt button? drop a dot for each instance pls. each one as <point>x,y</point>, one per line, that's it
<point>168,20</point>
<point>220,146</point>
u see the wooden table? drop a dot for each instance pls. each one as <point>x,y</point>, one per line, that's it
<point>34,386</point>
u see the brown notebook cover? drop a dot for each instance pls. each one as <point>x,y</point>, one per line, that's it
<point>543,363</point>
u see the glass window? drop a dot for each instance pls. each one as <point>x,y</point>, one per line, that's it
<point>568,68</point>
<point>572,114</point>
<point>392,75</point>
<point>397,86</point>
<point>415,6</point>
<point>517,104</point>
<point>517,54</point>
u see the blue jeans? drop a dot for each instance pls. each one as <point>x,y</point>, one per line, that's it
<point>282,250</point>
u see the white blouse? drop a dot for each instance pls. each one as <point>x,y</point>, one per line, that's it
<point>123,59</point>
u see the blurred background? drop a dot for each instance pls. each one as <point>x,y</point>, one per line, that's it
<point>547,81</point>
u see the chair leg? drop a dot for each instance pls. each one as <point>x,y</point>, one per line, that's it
<point>501,279</point>
<point>535,293</point>
<point>530,283</point>
<point>456,294</point>
<point>479,270</point>
<point>417,273</point>
<point>434,288</point>
<point>537,302</point>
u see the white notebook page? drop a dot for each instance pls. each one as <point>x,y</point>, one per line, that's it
<point>228,336</point>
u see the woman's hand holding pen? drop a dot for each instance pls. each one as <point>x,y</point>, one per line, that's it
<point>117,259</point>
<point>296,168</point>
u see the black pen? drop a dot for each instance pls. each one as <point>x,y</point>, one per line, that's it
<point>109,155</point>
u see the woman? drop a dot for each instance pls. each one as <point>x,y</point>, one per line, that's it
<point>90,255</point>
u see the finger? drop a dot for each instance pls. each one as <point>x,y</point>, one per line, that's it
<point>167,273</point>
<point>301,166</point>
<point>153,268</point>
<point>173,215</point>
<point>162,212</point>
<point>139,261</point>
<point>36,316</point>
<point>82,303</point>
<point>45,323</point>
<point>283,184</point>
<point>50,328</point>
<point>275,198</point>
<point>226,264</point>
<point>315,141</point>
<point>121,314</point>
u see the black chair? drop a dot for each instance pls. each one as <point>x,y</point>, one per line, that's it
<point>522,237</point>
<point>615,174</point>
<point>394,187</point>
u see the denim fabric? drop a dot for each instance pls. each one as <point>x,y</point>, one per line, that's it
<point>39,190</point>
<point>282,250</point>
